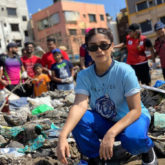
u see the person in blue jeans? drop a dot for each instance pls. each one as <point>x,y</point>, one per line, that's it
<point>112,90</point>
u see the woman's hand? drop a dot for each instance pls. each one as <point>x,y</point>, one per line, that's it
<point>63,150</point>
<point>106,146</point>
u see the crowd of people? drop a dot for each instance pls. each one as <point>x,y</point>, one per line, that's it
<point>111,88</point>
<point>34,74</point>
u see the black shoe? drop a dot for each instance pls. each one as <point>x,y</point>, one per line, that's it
<point>149,158</point>
<point>96,161</point>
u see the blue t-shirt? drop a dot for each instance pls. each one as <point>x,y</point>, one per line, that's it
<point>62,69</point>
<point>107,93</point>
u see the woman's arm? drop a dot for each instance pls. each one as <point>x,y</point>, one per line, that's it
<point>76,112</point>
<point>134,104</point>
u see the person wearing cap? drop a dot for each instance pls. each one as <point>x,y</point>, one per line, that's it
<point>62,72</point>
<point>48,58</point>
<point>85,58</point>
<point>12,69</point>
<point>160,44</point>
<point>137,45</point>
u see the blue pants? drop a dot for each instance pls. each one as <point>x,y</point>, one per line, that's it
<point>93,127</point>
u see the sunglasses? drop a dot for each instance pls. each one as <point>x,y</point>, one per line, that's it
<point>102,46</point>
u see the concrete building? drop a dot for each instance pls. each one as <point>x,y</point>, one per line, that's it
<point>122,24</point>
<point>113,26</point>
<point>67,21</point>
<point>14,23</point>
<point>146,13</point>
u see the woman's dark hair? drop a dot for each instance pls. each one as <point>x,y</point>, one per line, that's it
<point>94,31</point>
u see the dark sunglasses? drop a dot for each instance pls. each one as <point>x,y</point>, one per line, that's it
<point>102,46</point>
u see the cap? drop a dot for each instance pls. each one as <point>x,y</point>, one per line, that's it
<point>159,25</point>
<point>56,51</point>
<point>12,45</point>
<point>134,27</point>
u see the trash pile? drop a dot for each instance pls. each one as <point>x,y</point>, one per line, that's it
<point>29,127</point>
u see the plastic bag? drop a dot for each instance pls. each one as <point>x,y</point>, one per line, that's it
<point>41,109</point>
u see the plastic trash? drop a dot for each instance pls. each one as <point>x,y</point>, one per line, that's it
<point>41,109</point>
<point>33,145</point>
<point>11,151</point>
<point>159,121</point>
<point>159,83</point>
<point>10,132</point>
<point>82,162</point>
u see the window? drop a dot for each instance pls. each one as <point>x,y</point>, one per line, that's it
<point>54,19</point>
<point>151,3</point>
<point>14,27</point>
<point>24,18</point>
<point>162,19</point>
<point>159,2</point>
<point>92,17</point>
<point>71,16</point>
<point>146,26</point>
<point>102,17</point>
<point>141,6</point>
<point>43,24</point>
<point>19,43</point>
<point>26,33</point>
<point>83,31</point>
<point>72,31</point>
<point>11,11</point>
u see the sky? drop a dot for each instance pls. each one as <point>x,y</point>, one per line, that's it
<point>111,6</point>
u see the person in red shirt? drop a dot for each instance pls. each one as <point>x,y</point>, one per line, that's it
<point>47,58</point>
<point>29,60</point>
<point>137,45</point>
<point>160,44</point>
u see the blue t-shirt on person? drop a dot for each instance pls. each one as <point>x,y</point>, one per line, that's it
<point>62,69</point>
<point>107,93</point>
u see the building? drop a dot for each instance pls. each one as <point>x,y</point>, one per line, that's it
<point>14,23</point>
<point>67,21</point>
<point>113,26</point>
<point>146,13</point>
<point>122,24</point>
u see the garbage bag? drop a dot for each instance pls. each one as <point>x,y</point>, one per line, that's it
<point>41,108</point>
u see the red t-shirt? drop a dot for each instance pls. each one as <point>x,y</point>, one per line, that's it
<point>160,50</point>
<point>48,59</point>
<point>136,48</point>
<point>82,52</point>
<point>29,64</point>
<point>1,86</point>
